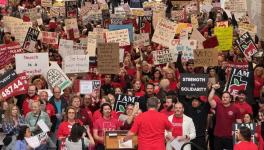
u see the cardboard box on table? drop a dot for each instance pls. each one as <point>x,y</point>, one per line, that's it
<point>112,140</point>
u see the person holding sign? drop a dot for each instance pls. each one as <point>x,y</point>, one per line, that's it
<point>244,138</point>
<point>226,115</point>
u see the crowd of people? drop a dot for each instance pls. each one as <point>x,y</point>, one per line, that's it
<point>161,116</point>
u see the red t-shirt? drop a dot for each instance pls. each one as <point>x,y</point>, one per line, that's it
<point>258,83</point>
<point>245,146</point>
<point>97,114</point>
<point>177,126</point>
<point>225,117</point>
<point>150,127</point>
<point>103,125</point>
<point>27,102</point>
<point>244,108</point>
<point>166,112</point>
<point>64,129</point>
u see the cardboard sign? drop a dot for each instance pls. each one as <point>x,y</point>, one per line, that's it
<point>141,40</point>
<point>237,81</point>
<point>120,27</point>
<point>30,40</point>
<point>56,77</point>
<point>118,36</point>
<point>32,63</point>
<point>86,86</point>
<point>205,57</point>
<point>76,64</point>
<point>251,126</point>
<point>163,56</point>
<point>164,32</point>
<point>122,101</point>
<point>224,37</point>
<point>108,58</point>
<point>7,53</point>
<point>49,37</point>
<point>19,30</point>
<point>72,28</point>
<point>194,84</point>
<point>246,45</point>
<point>13,84</point>
<point>71,9</point>
<point>186,47</point>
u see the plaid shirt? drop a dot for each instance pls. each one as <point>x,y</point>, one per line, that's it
<point>9,127</point>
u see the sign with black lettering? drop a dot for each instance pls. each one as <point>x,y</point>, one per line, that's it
<point>163,56</point>
<point>71,9</point>
<point>246,45</point>
<point>30,40</point>
<point>251,126</point>
<point>194,84</point>
<point>122,101</point>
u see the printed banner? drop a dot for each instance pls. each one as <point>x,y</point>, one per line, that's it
<point>251,126</point>
<point>163,56</point>
<point>224,37</point>
<point>76,64</point>
<point>49,37</point>
<point>205,57</point>
<point>194,84</point>
<point>56,77</point>
<point>87,86</point>
<point>118,36</point>
<point>246,45</point>
<point>122,101</point>
<point>71,9</point>
<point>30,40</point>
<point>237,81</point>
<point>13,84</point>
<point>108,58</point>
<point>32,63</point>
<point>164,32</point>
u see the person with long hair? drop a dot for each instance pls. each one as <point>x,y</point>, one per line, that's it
<point>21,143</point>
<point>77,139</point>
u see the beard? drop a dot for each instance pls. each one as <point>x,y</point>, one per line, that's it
<point>169,108</point>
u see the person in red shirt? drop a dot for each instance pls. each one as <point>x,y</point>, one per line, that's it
<point>168,110</point>
<point>64,129</point>
<point>226,115</point>
<point>31,96</point>
<point>150,127</point>
<point>105,123</point>
<point>244,138</point>
<point>242,105</point>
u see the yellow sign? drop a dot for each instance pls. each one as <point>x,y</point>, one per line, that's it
<point>182,26</point>
<point>224,37</point>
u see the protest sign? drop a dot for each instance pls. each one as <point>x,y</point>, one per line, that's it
<point>71,9</point>
<point>120,27</point>
<point>91,48</point>
<point>34,14</point>
<point>186,47</point>
<point>122,101</point>
<point>182,26</point>
<point>246,45</point>
<point>196,35</point>
<point>163,56</point>
<point>116,19</point>
<point>137,11</point>
<point>7,53</point>
<point>145,24</point>
<point>205,57</point>
<point>194,84</point>
<point>49,37</point>
<point>194,22</point>
<point>72,28</point>
<point>235,5</point>
<point>251,126</point>
<point>118,36</point>
<point>156,16</point>
<point>30,40</point>
<point>35,141</point>
<point>76,64</point>
<point>108,58</point>
<point>141,40</point>
<point>223,24</point>
<point>19,30</point>
<point>177,15</point>
<point>247,27</point>
<point>88,7</point>
<point>224,37</point>
<point>9,21</point>
<point>13,84</point>
<point>237,81</point>
<point>86,86</point>
<point>56,77</point>
<point>46,3</point>
<point>32,63</point>
<point>65,47</point>
<point>164,32</point>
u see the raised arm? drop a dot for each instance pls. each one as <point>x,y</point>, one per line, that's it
<point>211,100</point>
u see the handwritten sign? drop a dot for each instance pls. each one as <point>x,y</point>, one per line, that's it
<point>205,57</point>
<point>165,32</point>
<point>141,40</point>
<point>19,30</point>
<point>108,58</point>
<point>118,36</point>
<point>72,28</point>
<point>76,64</point>
<point>49,37</point>
<point>224,37</point>
<point>235,5</point>
<point>163,56</point>
<point>186,47</point>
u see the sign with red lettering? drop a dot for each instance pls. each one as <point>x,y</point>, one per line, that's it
<point>13,84</point>
<point>32,63</point>
<point>246,45</point>
<point>49,37</point>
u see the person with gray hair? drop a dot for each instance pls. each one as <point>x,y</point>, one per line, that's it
<point>149,129</point>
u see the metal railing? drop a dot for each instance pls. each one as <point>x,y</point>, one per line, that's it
<point>193,144</point>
